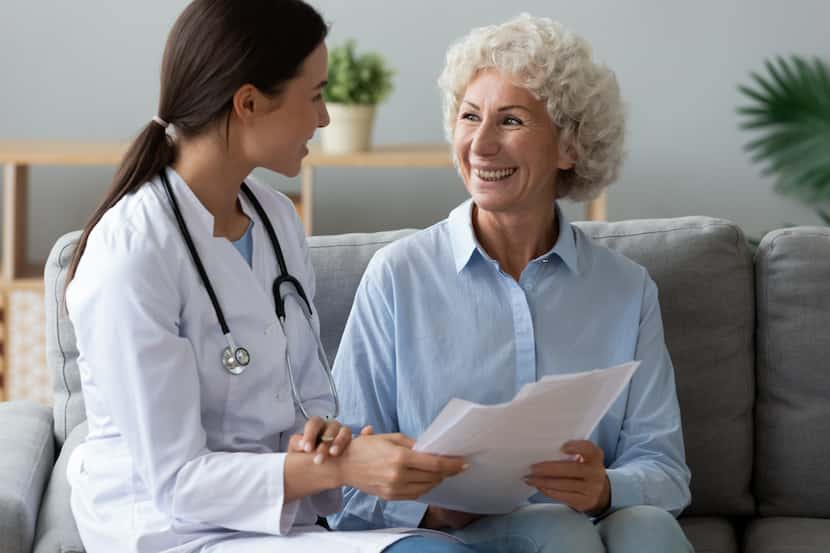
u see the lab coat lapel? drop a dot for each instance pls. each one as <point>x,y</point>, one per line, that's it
<point>237,286</point>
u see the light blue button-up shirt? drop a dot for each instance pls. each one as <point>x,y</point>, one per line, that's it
<point>436,318</point>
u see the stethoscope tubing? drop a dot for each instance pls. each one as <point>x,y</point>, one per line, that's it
<point>279,302</point>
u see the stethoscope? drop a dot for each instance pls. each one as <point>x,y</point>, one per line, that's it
<point>235,359</point>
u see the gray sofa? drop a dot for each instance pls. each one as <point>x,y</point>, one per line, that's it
<point>750,340</point>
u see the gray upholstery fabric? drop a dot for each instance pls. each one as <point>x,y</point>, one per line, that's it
<point>710,535</point>
<point>56,528</point>
<point>704,274</point>
<point>27,451</point>
<point>793,408</point>
<point>61,351</point>
<point>339,262</point>
<point>787,535</point>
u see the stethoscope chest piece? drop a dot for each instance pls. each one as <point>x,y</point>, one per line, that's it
<point>235,360</point>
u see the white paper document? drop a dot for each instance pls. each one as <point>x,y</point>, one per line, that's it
<point>501,442</point>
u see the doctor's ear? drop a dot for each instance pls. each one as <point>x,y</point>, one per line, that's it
<point>249,101</point>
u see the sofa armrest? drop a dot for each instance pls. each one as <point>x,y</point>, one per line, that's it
<point>27,453</point>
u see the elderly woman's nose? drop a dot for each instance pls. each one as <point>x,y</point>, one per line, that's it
<point>485,140</point>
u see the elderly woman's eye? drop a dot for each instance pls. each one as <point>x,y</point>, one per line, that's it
<point>469,116</point>
<point>510,120</point>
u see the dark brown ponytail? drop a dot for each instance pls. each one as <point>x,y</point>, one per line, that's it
<point>214,48</point>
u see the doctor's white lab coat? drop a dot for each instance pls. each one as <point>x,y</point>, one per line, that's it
<point>181,454</point>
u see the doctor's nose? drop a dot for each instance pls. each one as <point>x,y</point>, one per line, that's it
<point>323,118</point>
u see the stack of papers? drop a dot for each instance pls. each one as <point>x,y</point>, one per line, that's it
<point>501,442</point>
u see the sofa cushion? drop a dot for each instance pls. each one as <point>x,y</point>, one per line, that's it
<point>61,351</point>
<point>793,408</point>
<point>704,274</point>
<point>56,528</point>
<point>339,262</point>
<point>710,535</point>
<point>787,535</point>
<point>26,456</point>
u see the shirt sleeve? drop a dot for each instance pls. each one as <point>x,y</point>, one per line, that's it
<point>650,467</point>
<point>125,306</point>
<point>365,376</point>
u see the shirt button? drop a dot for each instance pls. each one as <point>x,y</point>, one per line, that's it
<point>546,260</point>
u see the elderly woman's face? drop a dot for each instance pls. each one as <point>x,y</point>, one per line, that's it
<point>506,145</point>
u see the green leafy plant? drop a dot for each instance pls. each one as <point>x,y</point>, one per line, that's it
<point>791,109</point>
<point>357,80</point>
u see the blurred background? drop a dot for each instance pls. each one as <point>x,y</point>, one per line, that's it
<point>89,71</point>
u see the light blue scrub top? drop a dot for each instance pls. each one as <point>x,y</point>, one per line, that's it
<point>245,245</point>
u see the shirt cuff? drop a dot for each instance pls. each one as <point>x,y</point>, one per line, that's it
<point>404,514</point>
<point>287,511</point>
<point>625,489</point>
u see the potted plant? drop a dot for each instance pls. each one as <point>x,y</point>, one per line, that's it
<point>791,106</point>
<point>355,86</point>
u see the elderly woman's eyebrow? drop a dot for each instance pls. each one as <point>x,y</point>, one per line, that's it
<point>503,108</point>
<point>514,106</point>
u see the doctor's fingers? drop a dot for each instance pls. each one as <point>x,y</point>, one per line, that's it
<point>313,428</point>
<point>332,445</point>
<point>439,464</point>
<point>341,441</point>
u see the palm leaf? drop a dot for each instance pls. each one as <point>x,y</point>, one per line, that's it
<point>790,108</point>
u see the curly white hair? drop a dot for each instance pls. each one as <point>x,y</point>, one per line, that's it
<point>582,96</point>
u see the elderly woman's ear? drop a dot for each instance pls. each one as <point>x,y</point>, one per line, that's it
<point>566,159</point>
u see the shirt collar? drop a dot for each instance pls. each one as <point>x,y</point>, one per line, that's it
<point>464,242</point>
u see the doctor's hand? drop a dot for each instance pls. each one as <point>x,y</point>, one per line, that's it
<point>321,437</point>
<point>582,484</point>
<point>385,466</point>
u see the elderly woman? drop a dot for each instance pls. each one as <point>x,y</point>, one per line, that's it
<point>506,291</point>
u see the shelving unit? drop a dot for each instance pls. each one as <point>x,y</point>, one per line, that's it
<point>20,281</point>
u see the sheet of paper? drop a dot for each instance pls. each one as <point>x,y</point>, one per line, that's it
<point>501,441</point>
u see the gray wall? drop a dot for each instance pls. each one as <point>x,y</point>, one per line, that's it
<point>89,70</point>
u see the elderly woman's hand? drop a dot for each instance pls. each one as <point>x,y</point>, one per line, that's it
<point>321,437</point>
<point>385,466</point>
<point>581,484</point>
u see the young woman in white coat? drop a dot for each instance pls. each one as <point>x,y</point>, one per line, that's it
<point>205,407</point>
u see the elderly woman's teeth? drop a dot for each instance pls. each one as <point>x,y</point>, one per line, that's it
<point>498,174</point>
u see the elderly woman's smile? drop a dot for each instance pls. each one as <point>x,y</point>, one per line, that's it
<point>506,145</point>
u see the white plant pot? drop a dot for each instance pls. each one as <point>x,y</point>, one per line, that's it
<point>350,129</point>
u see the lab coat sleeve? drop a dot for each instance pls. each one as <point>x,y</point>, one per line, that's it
<point>125,305</point>
<point>365,375</point>
<point>650,467</point>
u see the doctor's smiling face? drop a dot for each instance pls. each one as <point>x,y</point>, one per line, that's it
<point>276,128</point>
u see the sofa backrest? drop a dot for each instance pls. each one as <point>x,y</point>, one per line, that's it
<point>61,350</point>
<point>704,273</point>
<point>793,407</point>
